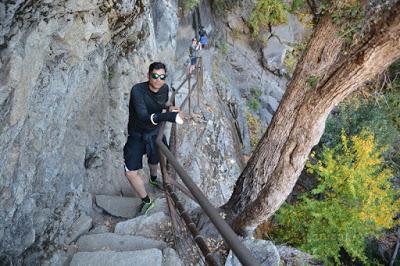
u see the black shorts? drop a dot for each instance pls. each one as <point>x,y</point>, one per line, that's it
<point>134,149</point>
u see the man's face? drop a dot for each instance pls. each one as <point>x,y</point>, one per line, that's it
<point>155,79</point>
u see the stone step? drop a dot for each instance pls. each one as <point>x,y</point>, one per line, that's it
<point>116,242</point>
<point>118,206</point>
<point>114,258</point>
<point>153,225</point>
<point>126,207</point>
<point>148,257</point>
<point>101,229</point>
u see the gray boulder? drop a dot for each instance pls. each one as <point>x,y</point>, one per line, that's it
<point>274,54</point>
<point>290,33</point>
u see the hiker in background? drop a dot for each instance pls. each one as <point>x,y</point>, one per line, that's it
<point>146,105</point>
<point>202,31</point>
<point>193,54</point>
<point>204,41</point>
<point>203,37</point>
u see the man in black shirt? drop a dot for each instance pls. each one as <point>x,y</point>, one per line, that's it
<point>146,105</point>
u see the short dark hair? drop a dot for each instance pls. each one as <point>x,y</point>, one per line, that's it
<point>157,65</point>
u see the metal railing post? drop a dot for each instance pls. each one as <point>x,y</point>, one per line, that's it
<point>190,92</point>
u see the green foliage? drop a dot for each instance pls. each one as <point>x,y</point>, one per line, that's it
<point>296,5</point>
<point>392,96</point>
<point>290,62</point>
<point>256,92</point>
<point>224,47</point>
<point>393,99</point>
<point>300,47</point>
<point>350,17</point>
<point>324,7</point>
<point>357,113</point>
<point>312,81</point>
<point>110,75</point>
<point>254,129</point>
<point>267,13</point>
<point>253,121</point>
<point>188,5</point>
<point>292,57</point>
<point>254,102</point>
<point>356,200</point>
<point>221,6</point>
<point>379,113</point>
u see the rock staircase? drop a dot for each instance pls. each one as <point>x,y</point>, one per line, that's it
<point>136,240</point>
<point>129,239</point>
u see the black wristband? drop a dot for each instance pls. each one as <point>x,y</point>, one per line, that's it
<point>168,116</point>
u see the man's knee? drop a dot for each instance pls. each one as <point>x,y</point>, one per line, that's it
<point>131,174</point>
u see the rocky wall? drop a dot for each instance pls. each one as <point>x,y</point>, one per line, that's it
<point>66,70</point>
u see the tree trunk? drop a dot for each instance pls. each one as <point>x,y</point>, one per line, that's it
<point>324,77</point>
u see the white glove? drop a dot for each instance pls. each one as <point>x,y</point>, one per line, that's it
<point>179,120</point>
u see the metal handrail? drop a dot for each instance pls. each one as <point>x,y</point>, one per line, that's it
<point>241,252</point>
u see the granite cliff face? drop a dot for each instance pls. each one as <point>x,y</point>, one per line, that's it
<point>66,70</point>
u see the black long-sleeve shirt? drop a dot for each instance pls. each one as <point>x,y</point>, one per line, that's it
<point>143,103</point>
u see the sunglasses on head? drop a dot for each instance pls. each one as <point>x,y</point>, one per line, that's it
<point>156,76</point>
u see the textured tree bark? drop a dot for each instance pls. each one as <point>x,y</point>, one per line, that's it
<point>325,76</point>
